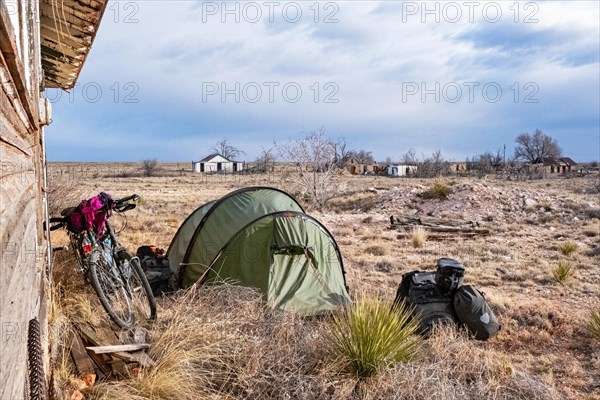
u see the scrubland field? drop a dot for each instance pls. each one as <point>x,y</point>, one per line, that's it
<point>219,342</point>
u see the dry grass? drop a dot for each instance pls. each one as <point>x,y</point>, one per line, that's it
<point>227,346</point>
<point>376,250</point>
<point>418,237</point>
<point>567,248</point>
<point>450,367</point>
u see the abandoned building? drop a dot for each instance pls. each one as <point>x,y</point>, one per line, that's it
<point>217,163</point>
<point>43,44</point>
<point>355,167</point>
<point>401,170</point>
<point>562,166</point>
<point>459,168</point>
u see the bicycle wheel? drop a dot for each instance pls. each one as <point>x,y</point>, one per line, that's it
<point>144,303</point>
<point>111,291</point>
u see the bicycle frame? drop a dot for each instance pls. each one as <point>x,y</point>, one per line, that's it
<point>115,274</point>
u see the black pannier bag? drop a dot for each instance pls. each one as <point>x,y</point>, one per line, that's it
<point>156,268</point>
<point>440,298</point>
<point>430,305</point>
<point>474,313</point>
<point>449,275</point>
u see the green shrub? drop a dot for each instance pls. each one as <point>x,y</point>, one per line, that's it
<point>593,324</point>
<point>567,248</point>
<point>371,336</point>
<point>562,272</point>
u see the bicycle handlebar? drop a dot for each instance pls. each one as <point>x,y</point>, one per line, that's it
<point>126,203</point>
<point>55,223</point>
<point>133,197</point>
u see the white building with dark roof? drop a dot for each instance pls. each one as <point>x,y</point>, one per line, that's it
<point>217,163</point>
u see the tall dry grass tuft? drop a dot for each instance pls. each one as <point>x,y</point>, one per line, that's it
<point>567,248</point>
<point>440,189</point>
<point>418,237</point>
<point>371,336</point>
<point>562,272</point>
<point>593,323</point>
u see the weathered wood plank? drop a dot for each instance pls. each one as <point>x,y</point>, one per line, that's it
<point>118,348</point>
<point>139,357</point>
<point>441,227</point>
<point>98,336</point>
<point>90,336</point>
<point>82,360</point>
<point>16,70</point>
<point>119,367</point>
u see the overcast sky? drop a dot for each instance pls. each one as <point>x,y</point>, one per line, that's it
<point>167,79</point>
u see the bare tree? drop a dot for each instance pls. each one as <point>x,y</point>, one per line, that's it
<point>343,154</point>
<point>488,162</point>
<point>150,166</point>
<point>362,156</point>
<point>410,157</point>
<point>264,162</point>
<point>434,165</point>
<point>227,150</point>
<point>314,158</point>
<point>534,148</point>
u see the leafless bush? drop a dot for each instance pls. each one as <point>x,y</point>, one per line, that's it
<point>314,159</point>
<point>429,166</point>
<point>265,162</point>
<point>150,167</point>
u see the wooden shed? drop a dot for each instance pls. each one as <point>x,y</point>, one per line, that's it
<point>43,44</point>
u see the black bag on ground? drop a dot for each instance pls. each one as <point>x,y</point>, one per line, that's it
<point>474,312</point>
<point>430,305</point>
<point>156,268</point>
<point>449,275</point>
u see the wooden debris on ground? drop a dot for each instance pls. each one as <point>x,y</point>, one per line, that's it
<point>117,348</point>
<point>437,228</point>
<point>100,353</point>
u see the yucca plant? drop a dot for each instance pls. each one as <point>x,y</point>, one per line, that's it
<point>568,248</point>
<point>371,336</point>
<point>593,323</point>
<point>562,272</point>
<point>418,237</point>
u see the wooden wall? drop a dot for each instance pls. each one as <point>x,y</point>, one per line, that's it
<point>22,245</point>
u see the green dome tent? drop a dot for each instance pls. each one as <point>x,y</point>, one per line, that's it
<point>261,237</point>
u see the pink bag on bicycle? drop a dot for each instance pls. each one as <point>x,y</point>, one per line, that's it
<point>91,214</point>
